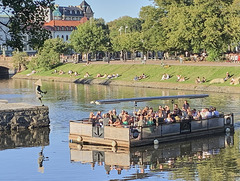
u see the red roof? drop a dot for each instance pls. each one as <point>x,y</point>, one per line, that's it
<point>54,23</point>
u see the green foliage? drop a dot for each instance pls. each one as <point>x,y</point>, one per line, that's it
<point>20,60</point>
<point>192,25</point>
<point>26,17</point>
<point>33,64</point>
<point>49,55</point>
<point>90,37</point>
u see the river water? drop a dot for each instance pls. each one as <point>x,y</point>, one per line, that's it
<point>46,154</point>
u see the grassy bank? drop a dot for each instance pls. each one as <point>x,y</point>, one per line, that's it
<point>154,72</point>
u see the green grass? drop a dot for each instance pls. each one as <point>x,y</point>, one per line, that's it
<point>154,72</point>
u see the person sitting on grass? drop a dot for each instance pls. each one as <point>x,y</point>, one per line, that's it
<point>165,76</point>
<point>203,80</point>
<point>75,73</point>
<point>227,76</point>
<point>198,80</point>
<point>99,75</point>
<point>232,81</point>
<point>135,78</point>
<point>86,75</point>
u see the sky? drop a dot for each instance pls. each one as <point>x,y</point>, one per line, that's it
<point>110,10</point>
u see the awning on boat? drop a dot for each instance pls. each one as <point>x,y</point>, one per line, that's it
<point>142,99</point>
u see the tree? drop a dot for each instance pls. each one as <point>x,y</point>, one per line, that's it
<point>26,17</point>
<point>89,37</point>
<point>119,29</point>
<point>20,60</point>
<point>194,25</point>
<point>49,54</point>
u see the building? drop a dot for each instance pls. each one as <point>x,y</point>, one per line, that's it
<point>70,13</point>
<point>63,20</point>
<point>63,28</point>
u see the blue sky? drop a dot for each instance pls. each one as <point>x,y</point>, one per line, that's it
<point>111,9</point>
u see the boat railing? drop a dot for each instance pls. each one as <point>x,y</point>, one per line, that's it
<point>163,129</point>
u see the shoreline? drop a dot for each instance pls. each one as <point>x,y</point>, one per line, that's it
<point>156,85</point>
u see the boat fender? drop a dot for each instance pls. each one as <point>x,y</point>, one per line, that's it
<point>79,138</point>
<point>114,143</point>
<point>135,133</point>
<point>155,142</point>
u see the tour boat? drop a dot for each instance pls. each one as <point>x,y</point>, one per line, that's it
<point>84,131</point>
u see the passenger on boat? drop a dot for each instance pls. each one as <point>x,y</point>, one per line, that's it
<point>198,117</point>
<point>176,110</point>
<point>215,113</point>
<point>184,113</point>
<point>186,105</point>
<point>92,117</point>
<point>169,119</point>
<point>120,116</point>
<point>189,115</point>
<point>117,123</point>
<point>167,110</point>
<point>106,119</point>
<point>114,115</point>
<point>98,115</point>
<point>194,113</point>
<point>141,121</point>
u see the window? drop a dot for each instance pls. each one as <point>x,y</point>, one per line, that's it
<point>67,37</point>
<point>62,37</point>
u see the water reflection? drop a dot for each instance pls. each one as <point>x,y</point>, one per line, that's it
<point>171,157</point>
<point>24,138</point>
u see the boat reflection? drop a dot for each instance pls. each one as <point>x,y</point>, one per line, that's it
<point>162,157</point>
<point>24,138</point>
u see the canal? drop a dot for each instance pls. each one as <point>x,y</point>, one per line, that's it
<point>46,154</point>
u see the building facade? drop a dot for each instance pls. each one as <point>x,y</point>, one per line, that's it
<point>63,20</point>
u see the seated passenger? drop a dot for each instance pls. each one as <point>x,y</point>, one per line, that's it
<point>91,116</point>
<point>141,121</point>
<point>98,115</point>
<point>189,115</point>
<point>176,110</point>
<point>215,113</point>
<point>169,119</point>
<point>117,123</point>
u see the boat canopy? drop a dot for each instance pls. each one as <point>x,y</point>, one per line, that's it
<point>142,99</point>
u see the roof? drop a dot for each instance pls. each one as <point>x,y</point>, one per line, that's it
<point>54,23</point>
<point>142,99</point>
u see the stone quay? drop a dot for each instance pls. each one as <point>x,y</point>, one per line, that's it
<point>15,116</point>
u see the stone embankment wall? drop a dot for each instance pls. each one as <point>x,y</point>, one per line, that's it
<point>22,116</point>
